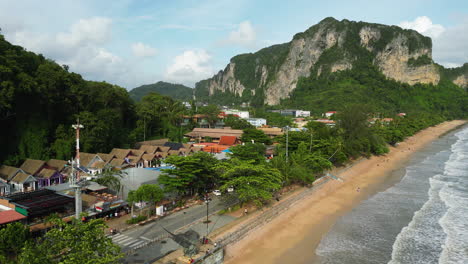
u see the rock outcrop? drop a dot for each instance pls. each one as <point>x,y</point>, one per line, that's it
<point>328,46</point>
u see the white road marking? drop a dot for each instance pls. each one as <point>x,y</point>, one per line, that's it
<point>145,238</point>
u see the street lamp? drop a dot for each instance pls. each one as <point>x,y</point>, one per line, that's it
<point>207,221</point>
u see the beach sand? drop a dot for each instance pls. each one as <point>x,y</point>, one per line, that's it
<point>293,236</point>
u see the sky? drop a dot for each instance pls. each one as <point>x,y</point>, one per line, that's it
<point>136,42</point>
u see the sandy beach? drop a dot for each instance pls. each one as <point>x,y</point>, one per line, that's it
<point>280,241</point>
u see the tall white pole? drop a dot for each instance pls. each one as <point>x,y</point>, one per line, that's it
<point>75,179</point>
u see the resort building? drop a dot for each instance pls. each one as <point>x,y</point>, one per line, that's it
<point>257,122</point>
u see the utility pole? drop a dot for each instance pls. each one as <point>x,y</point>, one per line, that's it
<point>207,201</point>
<point>287,143</point>
<point>75,177</point>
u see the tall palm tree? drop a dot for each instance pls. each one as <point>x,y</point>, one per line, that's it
<point>111,179</point>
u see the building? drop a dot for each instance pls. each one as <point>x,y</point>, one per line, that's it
<point>239,113</point>
<point>329,114</point>
<point>200,134</point>
<point>39,204</point>
<point>271,131</point>
<point>257,122</point>
<point>327,122</point>
<point>302,113</point>
<point>292,112</point>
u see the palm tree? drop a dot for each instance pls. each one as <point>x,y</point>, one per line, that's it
<point>111,179</point>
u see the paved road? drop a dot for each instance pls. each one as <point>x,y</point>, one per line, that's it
<point>133,238</point>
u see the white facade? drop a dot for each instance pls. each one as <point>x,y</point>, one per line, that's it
<point>257,122</point>
<point>241,114</point>
<point>302,113</point>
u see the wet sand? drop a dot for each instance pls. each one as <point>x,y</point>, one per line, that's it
<point>282,240</point>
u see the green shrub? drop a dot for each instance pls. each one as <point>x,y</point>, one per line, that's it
<point>136,219</point>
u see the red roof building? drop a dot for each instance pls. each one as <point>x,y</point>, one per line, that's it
<point>228,140</point>
<point>10,216</point>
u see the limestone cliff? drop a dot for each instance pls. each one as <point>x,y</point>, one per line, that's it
<point>271,74</point>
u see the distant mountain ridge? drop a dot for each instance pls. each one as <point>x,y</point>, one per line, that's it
<point>175,91</point>
<point>272,74</point>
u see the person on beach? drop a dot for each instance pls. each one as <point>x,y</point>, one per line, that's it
<point>358,189</point>
<point>245,211</point>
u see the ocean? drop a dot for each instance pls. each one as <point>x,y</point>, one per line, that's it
<point>421,219</point>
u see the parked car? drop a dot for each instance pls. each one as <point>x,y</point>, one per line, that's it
<point>230,189</point>
<point>217,192</point>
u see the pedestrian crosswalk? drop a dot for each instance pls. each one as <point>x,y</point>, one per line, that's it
<point>126,241</point>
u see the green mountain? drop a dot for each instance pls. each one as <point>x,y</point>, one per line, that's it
<point>176,91</point>
<point>340,62</point>
<point>40,100</point>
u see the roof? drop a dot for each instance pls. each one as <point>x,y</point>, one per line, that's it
<point>174,145</point>
<point>214,132</point>
<point>106,157</point>
<point>148,149</point>
<point>32,166</point>
<point>156,142</point>
<point>215,148</point>
<point>174,152</point>
<point>23,177</point>
<point>271,131</point>
<point>86,158</point>
<point>57,164</point>
<point>331,112</point>
<point>120,153</point>
<point>161,154</point>
<point>162,149</point>
<point>325,121</point>
<point>8,172</point>
<point>134,159</point>
<point>137,152</point>
<point>46,173</point>
<point>228,140</point>
<point>99,164</point>
<point>94,186</point>
<point>196,149</point>
<point>117,162</point>
<point>40,202</point>
<point>148,156</point>
<point>10,216</point>
<point>187,146</point>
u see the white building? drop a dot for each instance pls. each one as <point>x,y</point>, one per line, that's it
<point>329,114</point>
<point>302,113</point>
<point>257,122</point>
<point>241,114</point>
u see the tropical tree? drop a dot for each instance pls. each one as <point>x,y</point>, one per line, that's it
<point>12,239</point>
<point>252,183</point>
<point>255,136</point>
<point>254,152</point>
<point>111,179</point>
<point>211,112</point>
<point>79,242</point>
<point>194,173</point>
<point>150,193</point>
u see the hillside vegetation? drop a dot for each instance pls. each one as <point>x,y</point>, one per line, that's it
<point>175,91</point>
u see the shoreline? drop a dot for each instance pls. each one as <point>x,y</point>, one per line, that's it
<point>301,228</point>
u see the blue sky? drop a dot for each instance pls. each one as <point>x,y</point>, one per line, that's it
<point>130,42</point>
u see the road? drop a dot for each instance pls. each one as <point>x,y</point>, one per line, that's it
<point>136,237</point>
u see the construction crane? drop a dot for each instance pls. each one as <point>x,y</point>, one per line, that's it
<point>75,180</point>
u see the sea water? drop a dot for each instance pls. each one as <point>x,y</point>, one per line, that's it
<point>421,219</point>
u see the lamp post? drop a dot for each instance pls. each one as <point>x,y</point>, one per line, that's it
<point>207,201</point>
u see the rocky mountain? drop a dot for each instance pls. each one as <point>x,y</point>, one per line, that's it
<point>271,74</point>
<point>176,91</point>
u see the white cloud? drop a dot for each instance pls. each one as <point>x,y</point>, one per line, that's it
<point>190,67</point>
<point>83,48</point>
<point>244,35</point>
<point>142,50</point>
<point>424,25</point>
<point>96,30</point>
<point>450,45</point>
